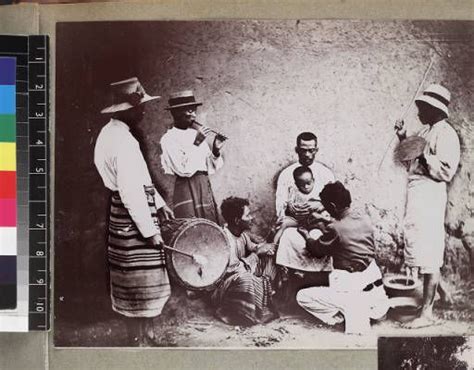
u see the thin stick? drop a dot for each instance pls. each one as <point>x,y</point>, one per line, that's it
<point>179,251</point>
<point>407,110</point>
<point>419,88</point>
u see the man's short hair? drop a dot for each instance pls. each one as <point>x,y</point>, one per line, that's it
<point>306,136</point>
<point>233,207</point>
<point>301,170</point>
<point>337,194</point>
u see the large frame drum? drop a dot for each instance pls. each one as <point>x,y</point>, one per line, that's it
<point>196,236</point>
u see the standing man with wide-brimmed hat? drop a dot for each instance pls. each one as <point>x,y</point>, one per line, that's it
<point>428,176</point>
<point>139,284</point>
<point>187,155</point>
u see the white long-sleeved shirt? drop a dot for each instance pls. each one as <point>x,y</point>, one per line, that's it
<point>442,153</point>
<point>322,176</point>
<point>182,158</point>
<point>120,162</point>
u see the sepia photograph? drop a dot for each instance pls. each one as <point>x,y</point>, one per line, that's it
<point>262,184</point>
<point>423,353</point>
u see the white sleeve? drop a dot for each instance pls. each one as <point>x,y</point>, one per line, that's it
<point>282,194</point>
<point>130,182</point>
<point>213,163</point>
<point>442,165</point>
<point>166,160</point>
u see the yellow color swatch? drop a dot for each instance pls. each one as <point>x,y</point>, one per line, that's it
<point>7,156</point>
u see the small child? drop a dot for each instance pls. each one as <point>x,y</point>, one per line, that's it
<point>303,209</point>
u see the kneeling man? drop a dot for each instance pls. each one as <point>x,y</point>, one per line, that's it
<point>355,285</point>
<point>244,296</point>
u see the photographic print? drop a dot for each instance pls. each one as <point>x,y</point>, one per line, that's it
<point>419,353</point>
<point>262,184</point>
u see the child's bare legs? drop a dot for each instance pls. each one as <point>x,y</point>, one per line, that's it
<point>285,224</point>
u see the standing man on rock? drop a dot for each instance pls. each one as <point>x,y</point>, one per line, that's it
<point>187,155</point>
<point>139,284</point>
<point>428,176</point>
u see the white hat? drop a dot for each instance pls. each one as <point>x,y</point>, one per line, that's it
<point>127,94</point>
<point>437,96</point>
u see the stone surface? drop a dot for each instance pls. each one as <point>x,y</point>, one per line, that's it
<point>262,83</point>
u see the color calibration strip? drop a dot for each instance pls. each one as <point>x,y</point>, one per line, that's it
<point>29,133</point>
<point>8,201</point>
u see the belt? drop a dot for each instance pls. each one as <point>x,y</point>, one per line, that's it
<point>197,173</point>
<point>371,286</point>
<point>353,266</point>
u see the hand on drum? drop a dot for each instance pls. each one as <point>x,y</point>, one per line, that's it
<point>167,213</point>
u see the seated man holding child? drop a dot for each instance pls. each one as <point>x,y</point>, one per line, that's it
<point>303,208</point>
<point>355,285</point>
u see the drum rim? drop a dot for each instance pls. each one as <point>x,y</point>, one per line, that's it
<point>169,254</point>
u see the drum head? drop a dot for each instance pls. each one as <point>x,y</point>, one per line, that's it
<point>205,238</point>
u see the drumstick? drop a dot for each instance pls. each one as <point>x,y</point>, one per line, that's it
<point>193,256</point>
<point>179,251</point>
<point>407,110</point>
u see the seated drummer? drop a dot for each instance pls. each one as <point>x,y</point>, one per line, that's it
<point>355,287</point>
<point>244,296</point>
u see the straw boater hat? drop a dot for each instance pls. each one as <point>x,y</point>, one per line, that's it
<point>437,96</point>
<point>182,99</point>
<point>127,94</point>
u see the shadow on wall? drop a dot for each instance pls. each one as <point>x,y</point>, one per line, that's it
<point>262,83</point>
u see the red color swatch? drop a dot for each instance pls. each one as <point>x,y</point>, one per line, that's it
<point>7,184</point>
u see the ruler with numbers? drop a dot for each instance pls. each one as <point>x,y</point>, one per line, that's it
<point>32,180</point>
<point>38,182</point>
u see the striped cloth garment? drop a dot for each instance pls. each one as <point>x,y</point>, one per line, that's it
<point>244,296</point>
<point>139,283</point>
<point>193,197</point>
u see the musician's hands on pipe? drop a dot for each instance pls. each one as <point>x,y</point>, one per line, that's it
<point>400,129</point>
<point>201,134</point>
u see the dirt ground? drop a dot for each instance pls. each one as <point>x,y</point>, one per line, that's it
<point>190,323</point>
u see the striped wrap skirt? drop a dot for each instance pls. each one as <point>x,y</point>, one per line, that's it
<point>193,197</point>
<point>244,297</point>
<point>139,283</point>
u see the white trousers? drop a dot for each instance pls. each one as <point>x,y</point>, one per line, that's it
<point>345,295</point>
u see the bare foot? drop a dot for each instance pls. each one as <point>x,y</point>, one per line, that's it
<point>336,319</point>
<point>422,321</point>
<point>446,300</point>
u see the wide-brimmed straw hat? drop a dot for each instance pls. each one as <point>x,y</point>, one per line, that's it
<point>182,99</point>
<point>437,96</point>
<point>127,94</point>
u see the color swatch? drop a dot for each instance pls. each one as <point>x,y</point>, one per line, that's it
<point>8,198</point>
